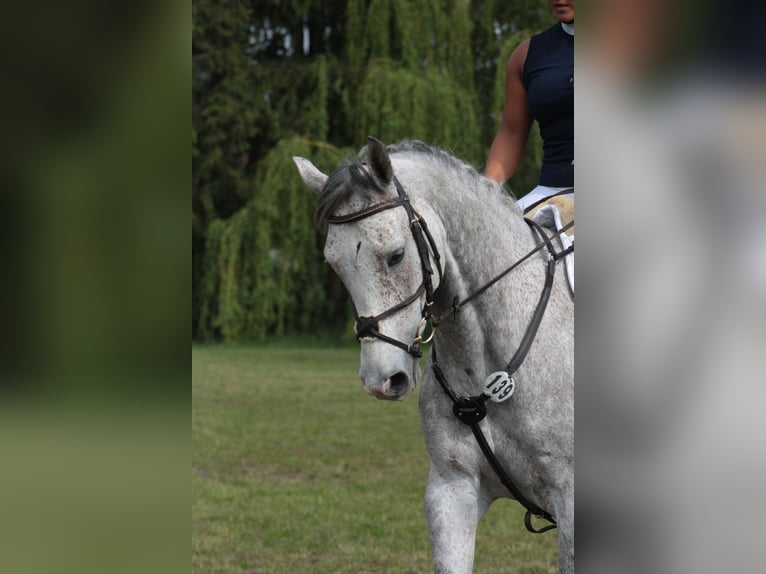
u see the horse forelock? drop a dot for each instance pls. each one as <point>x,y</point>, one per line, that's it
<point>349,180</point>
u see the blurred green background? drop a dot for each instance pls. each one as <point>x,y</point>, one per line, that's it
<point>94,364</point>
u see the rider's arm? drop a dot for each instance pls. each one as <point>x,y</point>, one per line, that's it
<point>507,149</point>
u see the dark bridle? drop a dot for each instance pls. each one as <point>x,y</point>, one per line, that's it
<point>368,326</point>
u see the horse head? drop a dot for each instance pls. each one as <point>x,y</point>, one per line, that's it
<point>374,248</point>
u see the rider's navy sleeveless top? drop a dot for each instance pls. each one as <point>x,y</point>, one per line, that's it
<point>549,78</point>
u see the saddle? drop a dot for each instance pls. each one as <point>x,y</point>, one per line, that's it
<point>563,204</point>
<point>554,213</point>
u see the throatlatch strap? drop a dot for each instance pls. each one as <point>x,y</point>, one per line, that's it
<point>417,226</point>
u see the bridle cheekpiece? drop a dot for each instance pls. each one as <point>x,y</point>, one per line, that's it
<point>367,327</point>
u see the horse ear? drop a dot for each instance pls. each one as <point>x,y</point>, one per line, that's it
<point>377,158</point>
<point>310,174</point>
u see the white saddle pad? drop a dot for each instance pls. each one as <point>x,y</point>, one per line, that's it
<point>549,217</point>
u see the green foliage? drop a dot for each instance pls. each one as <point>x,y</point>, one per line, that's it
<point>265,274</point>
<point>277,79</point>
<point>396,103</point>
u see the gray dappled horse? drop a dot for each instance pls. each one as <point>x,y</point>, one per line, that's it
<point>415,235</point>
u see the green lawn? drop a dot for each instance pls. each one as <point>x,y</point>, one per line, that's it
<point>295,469</point>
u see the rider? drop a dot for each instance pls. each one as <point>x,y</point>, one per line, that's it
<point>539,85</point>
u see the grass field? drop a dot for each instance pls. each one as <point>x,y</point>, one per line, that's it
<point>295,469</point>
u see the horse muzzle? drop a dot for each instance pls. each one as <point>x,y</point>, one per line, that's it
<point>394,388</point>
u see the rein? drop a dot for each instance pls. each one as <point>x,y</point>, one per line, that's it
<point>500,385</point>
<point>457,304</point>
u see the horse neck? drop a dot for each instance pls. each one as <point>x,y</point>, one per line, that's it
<point>483,239</point>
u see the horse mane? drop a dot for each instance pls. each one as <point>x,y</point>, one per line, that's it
<point>352,179</point>
<point>448,161</point>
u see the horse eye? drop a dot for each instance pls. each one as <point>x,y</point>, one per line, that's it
<point>395,257</point>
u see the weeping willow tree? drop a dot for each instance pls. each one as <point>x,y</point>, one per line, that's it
<point>309,78</point>
<point>263,271</point>
<point>409,73</point>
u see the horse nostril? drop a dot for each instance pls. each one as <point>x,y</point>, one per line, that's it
<point>394,388</point>
<point>399,380</point>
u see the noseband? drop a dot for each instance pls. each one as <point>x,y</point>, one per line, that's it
<point>367,327</point>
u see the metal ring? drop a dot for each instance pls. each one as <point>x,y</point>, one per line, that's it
<point>419,332</point>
